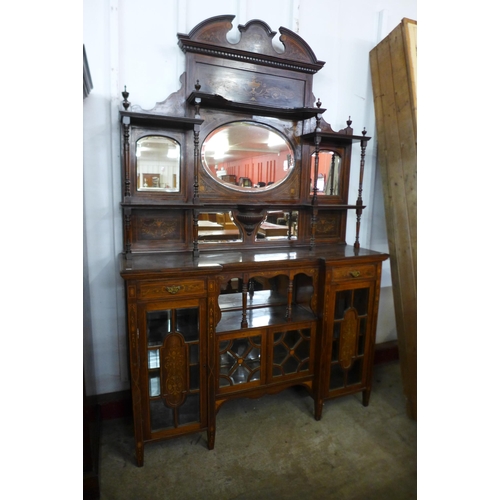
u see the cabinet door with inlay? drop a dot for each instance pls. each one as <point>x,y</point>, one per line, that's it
<point>173,372</point>
<point>349,339</point>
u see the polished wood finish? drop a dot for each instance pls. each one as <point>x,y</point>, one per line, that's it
<point>235,292</point>
<point>393,67</point>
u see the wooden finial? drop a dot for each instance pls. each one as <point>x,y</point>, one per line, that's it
<point>125,95</point>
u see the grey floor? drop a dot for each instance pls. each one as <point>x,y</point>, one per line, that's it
<point>273,448</point>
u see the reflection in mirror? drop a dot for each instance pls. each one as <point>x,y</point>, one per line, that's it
<point>215,227</point>
<point>278,225</point>
<point>328,173</point>
<point>247,156</point>
<point>158,164</point>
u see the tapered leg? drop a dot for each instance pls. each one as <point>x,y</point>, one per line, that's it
<point>211,438</point>
<point>318,408</point>
<point>366,397</point>
<point>139,453</point>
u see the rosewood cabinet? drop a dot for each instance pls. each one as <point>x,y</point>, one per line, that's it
<point>239,280</point>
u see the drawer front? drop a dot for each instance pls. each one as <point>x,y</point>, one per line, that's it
<point>363,271</point>
<point>167,289</point>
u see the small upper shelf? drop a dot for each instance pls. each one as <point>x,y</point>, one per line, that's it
<point>183,123</point>
<point>334,137</point>
<point>215,101</point>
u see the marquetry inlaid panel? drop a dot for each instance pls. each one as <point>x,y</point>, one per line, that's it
<point>349,337</point>
<point>251,87</point>
<point>174,372</point>
<point>157,227</point>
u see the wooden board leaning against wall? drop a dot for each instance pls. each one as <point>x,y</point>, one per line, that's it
<point>394,78</point>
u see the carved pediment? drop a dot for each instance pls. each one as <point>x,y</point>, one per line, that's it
<point>255,44</point>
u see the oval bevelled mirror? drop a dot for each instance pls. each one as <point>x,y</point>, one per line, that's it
<point>247,156</point>
<point>158,164</point>
<point>328,173</point>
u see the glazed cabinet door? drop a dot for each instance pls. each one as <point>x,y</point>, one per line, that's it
<point>173,367</point>
<point>349,338</point>
<point>348,332</point>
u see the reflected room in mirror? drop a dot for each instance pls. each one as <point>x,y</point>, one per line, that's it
<point>247,156</point>
<point>328,172</point>
<point>158,164</point>
<point>216,227</point>
<point>278,225</point>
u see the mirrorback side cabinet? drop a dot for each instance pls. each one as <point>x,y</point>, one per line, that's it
<point>239,280</point>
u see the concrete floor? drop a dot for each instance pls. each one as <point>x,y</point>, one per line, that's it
<point>272,448</point>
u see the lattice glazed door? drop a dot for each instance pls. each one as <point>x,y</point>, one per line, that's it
<point>175,360</point>
<point>350,342</point>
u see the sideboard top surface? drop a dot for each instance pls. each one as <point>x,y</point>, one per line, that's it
<point>164,263</point>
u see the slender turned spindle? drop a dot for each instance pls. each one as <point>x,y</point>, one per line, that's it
<point>126,155</point>
<point>244,290</point>
<point>317,141</point>
<point>251,288</point>
<point>288,314</point>
<point>359,201</point>
<point>332,173</point>
<point>126,181</point>
<point>197,103</point>
<point>196,252</point>
<point>128,234</point>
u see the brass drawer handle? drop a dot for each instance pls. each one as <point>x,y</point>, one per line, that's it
<point>355,274</point>
<point>172,289</point>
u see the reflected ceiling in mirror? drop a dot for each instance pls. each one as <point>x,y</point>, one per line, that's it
<point>158,164</point>
<point>247,156</point>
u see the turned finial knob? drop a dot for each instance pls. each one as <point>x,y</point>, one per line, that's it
<point>349,122</point>
<point>197,86</point>
<point>364,131</point>
<point>318,103</point>
<point>125,95</point>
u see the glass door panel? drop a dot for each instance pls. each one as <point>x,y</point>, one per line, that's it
<point>173,363</point>
<point>239,361</point>
<point>291,352</point>
<point>349,337</point>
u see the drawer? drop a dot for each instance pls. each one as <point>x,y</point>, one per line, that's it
<point>363,271</point>
<point>171,288</point>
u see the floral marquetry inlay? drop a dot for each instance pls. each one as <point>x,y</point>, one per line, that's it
<point>174,374</point>
<point>348,335</point>
<point>327,226</point>
<point>157,228</point>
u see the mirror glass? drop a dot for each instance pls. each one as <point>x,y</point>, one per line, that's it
<point>278,225</point>
<point>247,156</point>
<point>216,227</point>
<point>328,173</point>
<point>158,164</point>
